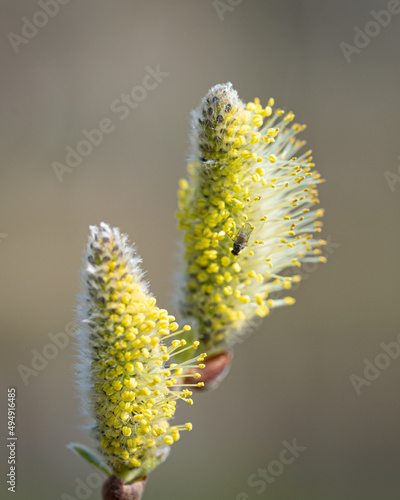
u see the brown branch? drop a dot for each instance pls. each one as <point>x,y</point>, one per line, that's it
<point>115,488</point>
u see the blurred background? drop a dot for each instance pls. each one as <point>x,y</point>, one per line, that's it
<point>291,379</point>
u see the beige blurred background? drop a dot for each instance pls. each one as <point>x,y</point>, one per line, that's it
<point>290,379</point>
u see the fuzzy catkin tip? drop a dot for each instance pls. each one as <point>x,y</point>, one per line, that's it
<point>214,123</point>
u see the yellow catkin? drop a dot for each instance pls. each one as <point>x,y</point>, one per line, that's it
<point>246,168</point>
<point>128,382</point>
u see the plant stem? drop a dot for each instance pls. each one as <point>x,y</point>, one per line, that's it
<point>115,488</point>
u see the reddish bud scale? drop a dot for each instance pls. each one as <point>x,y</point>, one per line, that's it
<point>216,369</point>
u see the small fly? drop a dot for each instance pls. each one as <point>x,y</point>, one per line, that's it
<point>242,238</point>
